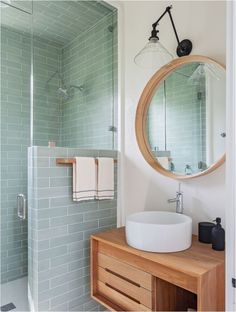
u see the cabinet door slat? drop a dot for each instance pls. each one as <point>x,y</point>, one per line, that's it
<point>123,269</point>
<point>138,293</point>
<point>120,299</point>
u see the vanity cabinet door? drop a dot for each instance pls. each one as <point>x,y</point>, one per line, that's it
<point>123,285</point>
<point>126,281</point>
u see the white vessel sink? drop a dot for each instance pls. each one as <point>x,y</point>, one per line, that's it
<point>159,231</point>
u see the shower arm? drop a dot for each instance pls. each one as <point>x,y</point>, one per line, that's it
<point>77,87</point>
<point>53,75</point>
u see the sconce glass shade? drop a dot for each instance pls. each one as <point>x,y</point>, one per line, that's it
<point>154,55</point>
<point>201,72</point>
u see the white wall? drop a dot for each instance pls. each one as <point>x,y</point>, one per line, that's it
<point>144,189</point>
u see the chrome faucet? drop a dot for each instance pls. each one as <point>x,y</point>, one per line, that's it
<point>178,200</point>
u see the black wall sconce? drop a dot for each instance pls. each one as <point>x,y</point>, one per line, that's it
<point>154,54</point>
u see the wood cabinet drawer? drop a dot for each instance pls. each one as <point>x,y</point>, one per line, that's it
<point>130,273</point>
<point>126,303</point>
<point>131,290</point>
<point>127,286</point>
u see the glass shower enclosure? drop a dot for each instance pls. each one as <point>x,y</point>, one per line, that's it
<point>58,90</point>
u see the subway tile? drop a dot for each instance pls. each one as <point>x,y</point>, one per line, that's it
<point>53,292</point>
<point>66,239</point>
<point>72,219</point>
<point>42,224</point>
<point>78,264</point>
<point>53,192</point>
<point>65,278</point>
<point>59,182</point>
<point>61,307</point>
<point>67,258</point>
<point>77,282</point>
<point>43,286</point>
<point>60,201</point>
<point>43,203</point>
<point>72,228</point>
<point>82,207</point>
<point>44,306</point>
<point>42,245</point>
<point>107,221</point>
<point>78,245</point>
<point>53,272</point>
<point>52,232</point>
<point>44,265</point>
<point>90,216</point>
<point>52,212</point>
<point>66,297</point>
<point>78,301</point>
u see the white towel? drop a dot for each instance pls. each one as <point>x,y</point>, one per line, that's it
<point>105,188</point>
<point>84,179</point>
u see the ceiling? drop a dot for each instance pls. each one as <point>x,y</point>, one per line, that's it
<point>58,21</point>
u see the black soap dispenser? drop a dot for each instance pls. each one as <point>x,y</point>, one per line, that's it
<point>218,236</point>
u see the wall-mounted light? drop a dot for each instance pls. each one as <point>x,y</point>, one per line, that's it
<point>154,54</point>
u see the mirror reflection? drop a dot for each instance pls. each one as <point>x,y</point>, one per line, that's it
<point>186,118</point>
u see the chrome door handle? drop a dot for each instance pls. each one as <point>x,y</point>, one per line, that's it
<point>21,206</point>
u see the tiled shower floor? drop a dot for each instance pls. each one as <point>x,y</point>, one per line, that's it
<point>16,292</point>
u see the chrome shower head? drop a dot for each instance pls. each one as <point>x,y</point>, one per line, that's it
<point>63,92</point>
<point>67,93</point>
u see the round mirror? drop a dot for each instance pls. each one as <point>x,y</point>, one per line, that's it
<point>180,119</point>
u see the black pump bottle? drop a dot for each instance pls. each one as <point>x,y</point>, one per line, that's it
<point>218,236</point>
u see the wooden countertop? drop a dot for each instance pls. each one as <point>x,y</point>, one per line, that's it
<point>195,261</point>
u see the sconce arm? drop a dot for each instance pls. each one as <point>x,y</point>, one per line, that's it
<point>184,47</point>
<point>167,10</point>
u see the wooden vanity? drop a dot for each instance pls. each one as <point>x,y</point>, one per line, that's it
<point>126,279</point>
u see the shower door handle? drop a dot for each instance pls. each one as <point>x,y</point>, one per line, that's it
<point>21,206</point>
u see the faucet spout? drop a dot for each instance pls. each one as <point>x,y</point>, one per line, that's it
<point>179,200</point>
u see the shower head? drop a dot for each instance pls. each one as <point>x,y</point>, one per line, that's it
<point>67,93</point>
<point>63,92</point>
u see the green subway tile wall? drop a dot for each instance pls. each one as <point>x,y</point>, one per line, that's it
<point>90,60</point>
<point>85,55</point>
<point>15,138</point>
<point>47,108</point>
<point>59,231</point>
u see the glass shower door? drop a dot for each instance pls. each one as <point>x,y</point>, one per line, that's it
<point>15,139</point>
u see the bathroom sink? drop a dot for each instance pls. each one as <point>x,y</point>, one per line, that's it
<point>159,231</point>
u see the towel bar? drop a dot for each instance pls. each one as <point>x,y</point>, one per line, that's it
<point>71,161</point>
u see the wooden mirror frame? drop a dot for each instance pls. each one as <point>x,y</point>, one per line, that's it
<point>142,110</point>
